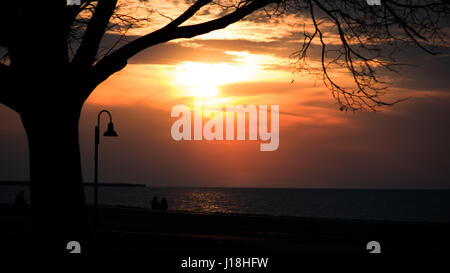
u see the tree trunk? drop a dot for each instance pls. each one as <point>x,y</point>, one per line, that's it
<point>57,194</point>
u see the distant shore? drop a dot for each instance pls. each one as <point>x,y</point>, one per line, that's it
<point>89,184</point>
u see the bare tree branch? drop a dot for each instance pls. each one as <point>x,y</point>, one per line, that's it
<point>365,35</point>
<point>74,10</point>
<point>188,13</point>
<point>118,59</point>
<point>87,51</point>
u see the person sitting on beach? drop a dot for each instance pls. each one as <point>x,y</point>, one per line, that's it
<point>20,198</point>
<point>155,203</point>
<point>164,205</point>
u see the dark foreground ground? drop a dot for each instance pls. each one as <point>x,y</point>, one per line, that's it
<point>142,232</point>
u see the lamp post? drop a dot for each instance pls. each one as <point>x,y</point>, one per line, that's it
<point>109,132</point>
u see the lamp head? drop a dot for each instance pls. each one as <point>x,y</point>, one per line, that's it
<point>110,131</point>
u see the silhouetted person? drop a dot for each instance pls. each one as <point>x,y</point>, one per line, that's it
<point>155,203</point>
<point>20,199</point>
<point>164,205</point>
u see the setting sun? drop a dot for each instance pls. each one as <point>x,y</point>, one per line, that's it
<point>203,79</point>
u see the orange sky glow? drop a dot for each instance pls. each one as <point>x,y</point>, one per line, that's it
<point>249,63</point>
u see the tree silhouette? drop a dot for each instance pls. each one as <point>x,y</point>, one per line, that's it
<point>54,61</point>
<point>368,38</point>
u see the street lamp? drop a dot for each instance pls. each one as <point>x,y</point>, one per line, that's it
<point>110,133</point>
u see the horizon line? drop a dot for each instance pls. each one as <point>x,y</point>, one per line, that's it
<point>118,184</point>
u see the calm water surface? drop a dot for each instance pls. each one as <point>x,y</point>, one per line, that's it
<point>420,205</point>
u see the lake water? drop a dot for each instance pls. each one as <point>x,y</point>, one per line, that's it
<point>409,205</point>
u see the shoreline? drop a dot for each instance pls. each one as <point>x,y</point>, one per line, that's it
<point>281,217</point>
<point>268,216</point>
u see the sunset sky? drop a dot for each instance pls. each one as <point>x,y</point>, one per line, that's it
<point>406,145</point>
